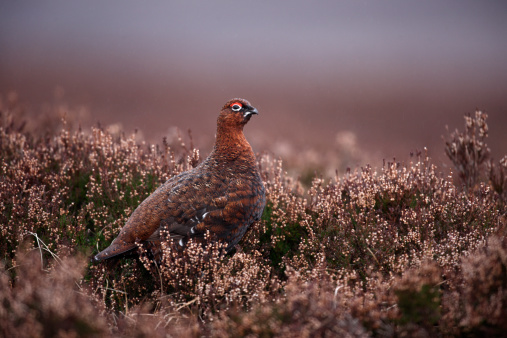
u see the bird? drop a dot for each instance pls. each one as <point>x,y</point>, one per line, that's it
<point>222,196</point>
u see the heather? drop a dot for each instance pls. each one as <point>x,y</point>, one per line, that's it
<point>406,249</point>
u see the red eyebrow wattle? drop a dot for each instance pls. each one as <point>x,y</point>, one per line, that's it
<point>236,103</point>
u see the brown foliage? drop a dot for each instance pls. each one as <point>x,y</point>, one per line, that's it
<point>52,302</point>
<point>468,150</point>
<point>399,250</point>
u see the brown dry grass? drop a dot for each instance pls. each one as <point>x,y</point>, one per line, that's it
<point>401,250</point>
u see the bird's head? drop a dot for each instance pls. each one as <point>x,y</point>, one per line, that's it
<point>236,113</point>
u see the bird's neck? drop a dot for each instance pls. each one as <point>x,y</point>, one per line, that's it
<point>231,143</point>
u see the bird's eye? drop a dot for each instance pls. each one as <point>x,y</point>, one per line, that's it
<point>236,107</point>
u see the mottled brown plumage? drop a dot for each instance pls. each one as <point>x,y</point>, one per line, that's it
<point>223,195</point>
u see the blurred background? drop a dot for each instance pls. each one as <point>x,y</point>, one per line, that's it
<point>338,83</point>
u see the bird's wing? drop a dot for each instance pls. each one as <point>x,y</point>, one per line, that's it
<point>229,216</point>
<point>225,210</point>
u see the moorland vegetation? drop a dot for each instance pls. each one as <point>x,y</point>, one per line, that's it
<point>401,250</point>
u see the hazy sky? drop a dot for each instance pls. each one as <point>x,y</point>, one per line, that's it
<point>323,66</point>
<point>364,36</point>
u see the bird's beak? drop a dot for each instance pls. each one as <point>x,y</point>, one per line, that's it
<point>250,111</point>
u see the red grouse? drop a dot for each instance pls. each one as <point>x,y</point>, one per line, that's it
<point>223,195</point>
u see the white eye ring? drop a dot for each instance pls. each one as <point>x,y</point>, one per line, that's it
<point>236,107</point>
